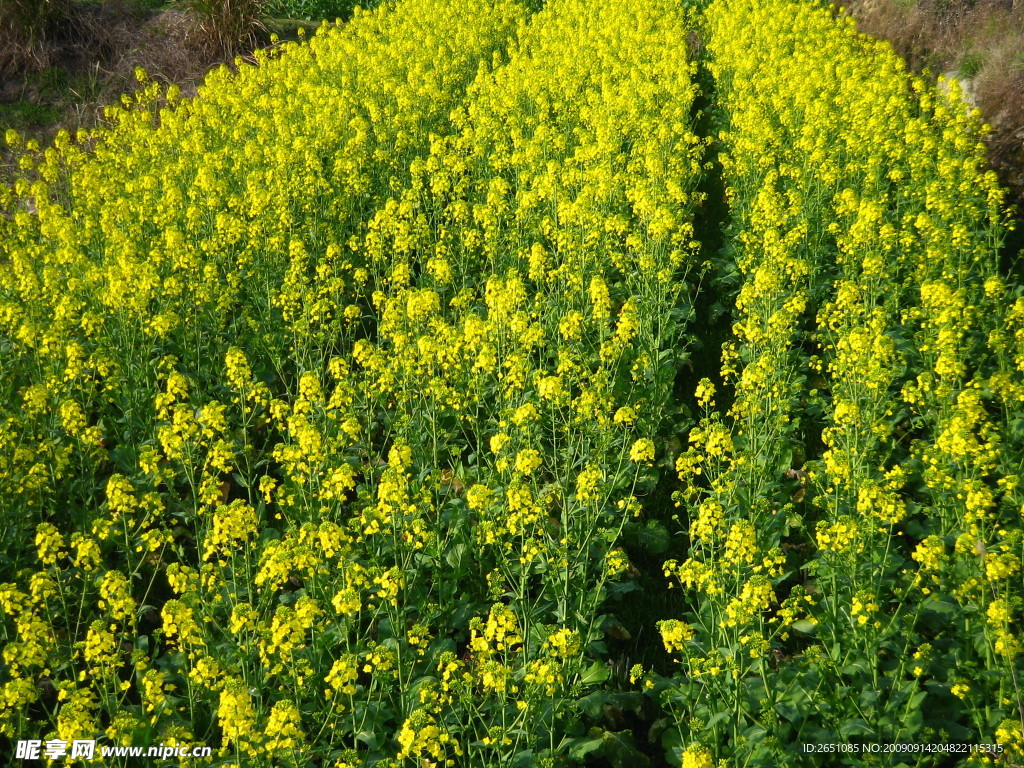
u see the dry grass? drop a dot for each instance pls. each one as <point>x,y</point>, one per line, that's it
<point>114,37</point>
<point>228,27</point>
<point>169,46</point>
<point>29,29</point>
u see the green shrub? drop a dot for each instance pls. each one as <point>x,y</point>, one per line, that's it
<point>971,64</point>
<point>313,10</point>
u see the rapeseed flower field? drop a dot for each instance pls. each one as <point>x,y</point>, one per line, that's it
<point>609,384</point>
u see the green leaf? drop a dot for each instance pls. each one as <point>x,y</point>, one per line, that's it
<point>868,699</point>
<point>784,460</point>
<point>595,673</point>
<point>855,668</point>
<point>593,703</point>
<point>524,759</point>
<point>619,589</point>
<point>582,746</point>
<point>619,750</point>
<point>855,727</point>
<point>454,555</point>
<point>369,738</point>
<point>716,718</point>
<point>654,537</point>
<point>940,606</point>
<point>754,734</point>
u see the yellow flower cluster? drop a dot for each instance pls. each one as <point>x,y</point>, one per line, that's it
<point>696,756</point>
<point>675,634</point>
<point>380,266</point>
<point>286,635</point>
<point>179,243</point>
<point>343,675</point>
<point>421,738</point>
<point>284,728</point>
<point>382,333</point>
<point>499,634</point>
<point>868,311</point>
<point>235,713</point>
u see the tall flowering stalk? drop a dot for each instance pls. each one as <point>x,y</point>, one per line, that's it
<point>893,532</point>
